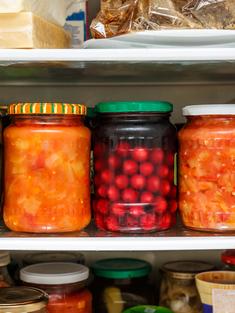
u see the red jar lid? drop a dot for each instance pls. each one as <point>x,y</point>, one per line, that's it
<point>228,257</point>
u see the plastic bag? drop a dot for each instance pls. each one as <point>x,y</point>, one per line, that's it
<point>118,17</point>
<point>54,11</point>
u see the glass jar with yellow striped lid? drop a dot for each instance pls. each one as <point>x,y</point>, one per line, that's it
<point>46,170</point>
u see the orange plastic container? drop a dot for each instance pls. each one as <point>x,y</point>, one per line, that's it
<point>46,172</point>
<point>207,168</point>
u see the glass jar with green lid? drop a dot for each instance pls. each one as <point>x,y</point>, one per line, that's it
<point>22,300</point>
<point>134,158</point>
<point>120,284</point>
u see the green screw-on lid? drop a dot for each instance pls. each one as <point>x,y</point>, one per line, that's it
<point>148,309</point>
<point>126,107</point>
<point>121,268</point>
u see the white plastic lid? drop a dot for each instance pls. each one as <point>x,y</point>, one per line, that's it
<point>209,109</point>
<point>4,258</point>
<point>54,273</point>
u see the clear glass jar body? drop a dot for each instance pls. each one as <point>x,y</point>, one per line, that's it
<point>134,172</point>
<point>207,173</point>
<point>46,174</point>
<point>67,298</point>
<point>180,294</point>
<point>116,295</point>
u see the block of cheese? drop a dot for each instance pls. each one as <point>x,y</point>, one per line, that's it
<point>54,11</point>
<point>26,30</point>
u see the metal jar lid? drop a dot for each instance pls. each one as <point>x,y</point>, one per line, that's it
<point>22,300</point>
<point>186,269</point>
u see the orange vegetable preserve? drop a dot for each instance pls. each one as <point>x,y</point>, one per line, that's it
<point>46,175</point>
<point>65,283</point>
<point>207,168</point>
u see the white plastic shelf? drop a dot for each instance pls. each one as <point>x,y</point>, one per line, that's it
<point>92,66</point>
<point>91,239</point>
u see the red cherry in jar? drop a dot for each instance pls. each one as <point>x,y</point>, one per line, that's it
<point>112,223</point>
<point>107,176</point>
<point>129,195</point>
<point>132,222</point>
<point>122,181</point>
<point>113,161</point>
<point>160,205</point>
<point>153,184</point>
<point>99,150</point>
<point>170,159</point>
<point>173,206</point>
<point>157,155</point>
<point>165,221</point>
<point>148,221</point>
<point>130,167</point>
<point>147,197</point>
<point>138,182</point>
<point>99,165</point>
<point>136,210</point>
<point>140,154</point>
<point>118,209</point>
<point>113,193</point>
<point>102,191</point>
<point>102,206</point>
<point>165,187</point>
<point>123,149</point>
<point>163,171</point>
<point>146,168</point>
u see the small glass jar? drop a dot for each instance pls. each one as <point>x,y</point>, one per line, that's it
<point>49,257</point>
<point>120,284</point>
<point>22,300</point>
<point>5,279</point>
<point>65,283</point>
<point>134,159</point>
<point>207,168</point>
<point>47,166</point>
<point>178,289</point>
<point>228,259</point>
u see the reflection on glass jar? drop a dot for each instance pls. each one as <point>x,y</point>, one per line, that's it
<point>178,288</point>
<point>22,300</point>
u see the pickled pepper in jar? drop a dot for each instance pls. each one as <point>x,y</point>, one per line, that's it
<point>46,174</point>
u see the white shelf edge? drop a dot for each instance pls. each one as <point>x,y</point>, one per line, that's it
<point>118,55</point>
<point>117,244</point>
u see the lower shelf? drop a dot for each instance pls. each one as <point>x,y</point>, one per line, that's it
<point>92,239</point>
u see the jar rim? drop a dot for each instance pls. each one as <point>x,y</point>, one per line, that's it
<point>134,107</point>
<point>209,109</point>
<point>44,108</point>
<point>53,273</point>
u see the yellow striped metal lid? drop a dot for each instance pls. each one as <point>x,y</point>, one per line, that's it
<point>47,108</point>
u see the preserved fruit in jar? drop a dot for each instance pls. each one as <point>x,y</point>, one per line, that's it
<point>134,152</point>
<point>207,168</point>
<point>120,284</point>
<point>46,175</point>
<point>178,288</point>
<point>65,283</point>
<point>22,300</point>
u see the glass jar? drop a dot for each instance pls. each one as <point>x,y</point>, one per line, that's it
<point>134,153</point>
<point>207,168</point>
<point>228,259</point>
<point>5,279</point>
<point>49,257</point>
<point>65,284</point>
<point>47,157</point>
<point>22,300</point>
<point>178,289</point>
<point>120,284</point>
